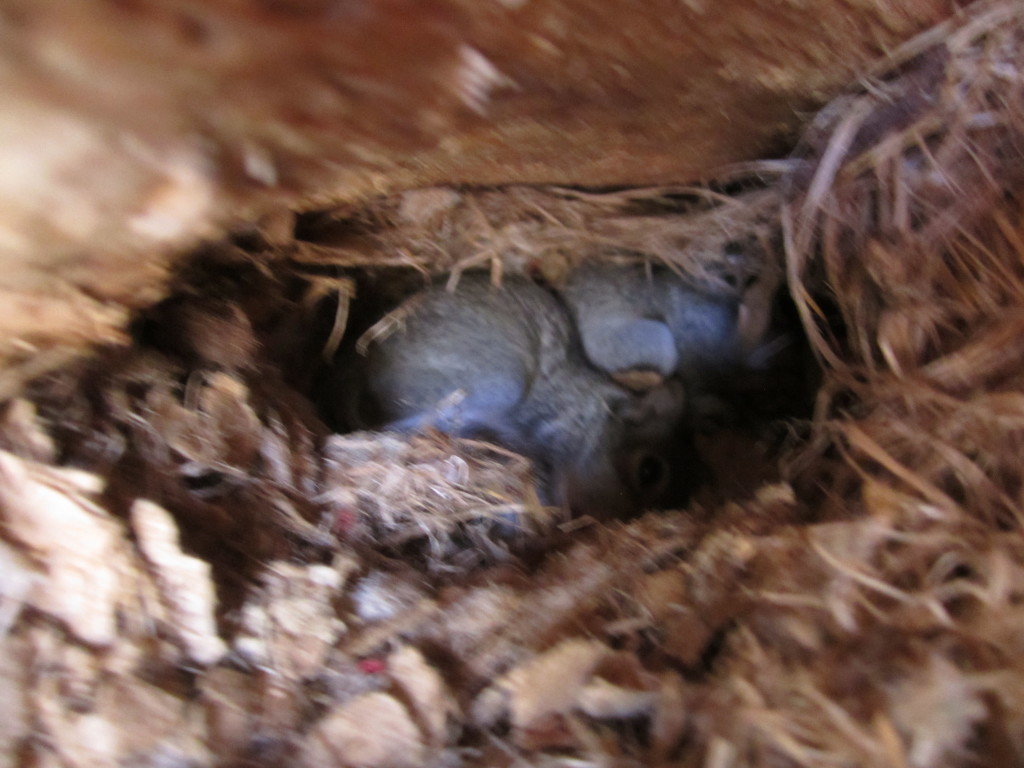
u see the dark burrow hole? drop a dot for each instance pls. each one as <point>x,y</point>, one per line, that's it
<point>751,416</point>
<point>223,408</point>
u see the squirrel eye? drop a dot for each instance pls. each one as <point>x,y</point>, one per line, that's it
<point>650,471</point>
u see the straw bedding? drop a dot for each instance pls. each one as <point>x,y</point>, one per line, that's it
<point>259,591</point>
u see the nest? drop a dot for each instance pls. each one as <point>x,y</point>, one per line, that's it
<point>259,591</point>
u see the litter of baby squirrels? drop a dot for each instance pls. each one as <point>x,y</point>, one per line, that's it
<point>845,586</point>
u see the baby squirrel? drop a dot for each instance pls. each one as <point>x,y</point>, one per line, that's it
<point>505,364</point>
<point>642,316</point>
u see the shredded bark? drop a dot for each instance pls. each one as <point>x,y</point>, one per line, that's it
<point>184,541</point>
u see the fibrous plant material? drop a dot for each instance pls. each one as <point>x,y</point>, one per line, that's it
<point>697,229</point>
<point>866,613</point>
<point>905,251</point>
<point>131,131</point>
<point>262,545</point>
<point>905,246</point>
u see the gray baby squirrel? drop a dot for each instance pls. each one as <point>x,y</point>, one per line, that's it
<point>644,316</point>
<point>505,364</point>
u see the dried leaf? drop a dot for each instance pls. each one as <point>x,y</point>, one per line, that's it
<point>291,623</point>
<point>371,731</point>
<point>82,550</point>
<point>605,700</point>
<point>18,577</point>
<point>937,711</point>
<point>22,433</point>
<point>184,583</point>
<point>551,683</point>
<point>422,685</point>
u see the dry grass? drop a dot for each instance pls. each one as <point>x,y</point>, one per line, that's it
<point>866,612</point>
<point>547,230</point>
